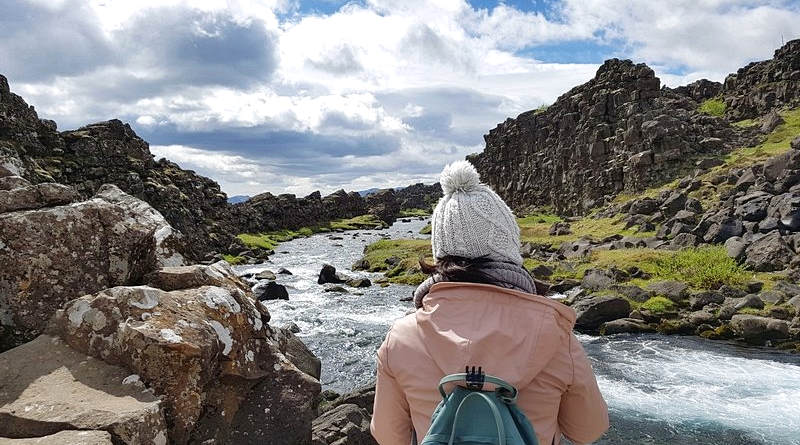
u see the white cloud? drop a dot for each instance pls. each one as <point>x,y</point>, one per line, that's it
<point>379,93</point>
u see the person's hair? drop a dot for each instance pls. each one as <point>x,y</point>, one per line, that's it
<point>456,268</point>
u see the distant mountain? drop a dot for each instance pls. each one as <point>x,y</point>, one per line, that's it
<point>237,199</point>
<point>368,191</point>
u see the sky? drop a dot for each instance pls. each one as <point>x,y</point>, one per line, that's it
<point>294,96</point>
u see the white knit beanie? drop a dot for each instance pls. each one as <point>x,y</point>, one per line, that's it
<point>471,221</point>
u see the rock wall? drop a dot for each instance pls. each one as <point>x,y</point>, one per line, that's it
<point>762,86</point>
<point>618,132</point>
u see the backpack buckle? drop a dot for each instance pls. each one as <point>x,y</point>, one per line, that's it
<point>475,380</point>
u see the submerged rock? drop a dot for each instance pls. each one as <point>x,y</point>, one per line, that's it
<point>328,274</point>
<point>270,291</point>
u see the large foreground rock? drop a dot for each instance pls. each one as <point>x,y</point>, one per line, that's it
<point>53,254</point>
<point>769,253</point>
<point>47,387</point>
<point>207,350</point>
<point>65,438</point>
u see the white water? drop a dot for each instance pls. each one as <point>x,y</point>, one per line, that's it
<point>660,390</point>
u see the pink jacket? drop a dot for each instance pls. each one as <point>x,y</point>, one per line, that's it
<point>524,339</point>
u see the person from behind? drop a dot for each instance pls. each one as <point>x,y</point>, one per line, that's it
<point>480,307</point>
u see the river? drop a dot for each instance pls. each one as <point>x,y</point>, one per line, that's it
<point>660,390</point>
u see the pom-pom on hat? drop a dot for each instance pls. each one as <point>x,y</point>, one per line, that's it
<point>471,221</point>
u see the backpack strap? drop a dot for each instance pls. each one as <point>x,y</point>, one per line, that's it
<point>498,420</point>
<point>508,393</point>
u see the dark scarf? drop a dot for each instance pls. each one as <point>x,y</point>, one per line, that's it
<point>507,275</point>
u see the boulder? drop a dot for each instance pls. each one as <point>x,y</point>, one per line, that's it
<point>770,122</point>
<point>644,206</point>
<point>756,330</point>
<point>625,325</point>
<point>788,288</point>
<point>206,351</point>
<point>767,254</point>
<point>363,397</point>
<point>597,279</point>
<point>560,228</point>
<point>328,275</point>
<point>13,182</point>
<point>735,247</point>
<point>110,240</point>
<point>592,312</point>
<point>542,271</point>
<point>265,275</point>
<point>674,290</point>
<point>345,424</point>
<point>750,301</point>
<point>283,271</point>
<point>684,240</point>
<point>37,196</point>
<point>70,437</point>
<point>48,387</point>
<point>722,228</point>
<point>361,264</point>
<point>359,282</point>
<point>298,353</point>
<point>218,274</point>
<point>703,299</point>
<point>270,291</point>
<point>634,293</point>
<point>772,296</point>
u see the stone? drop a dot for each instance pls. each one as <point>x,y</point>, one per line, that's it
<point>564,285</point>
<point>265,275</point>
<point>754,287</point>
<point>283,271</point>
<point>768,254</point>
<point>703,299</point>
<point>753,206</point>
<point>770,122</point>
<point>644,206</point>
<point>298,353</point>
<point>204,351</point>
<point>336,289</point>
<point>750,301</point>
<point>592,312</point>
<point>795,303</point>
<point>634,293</point>
<point>13,182</point>
<point>361,264</point>
<point>756,330</point>
<point>69,437</point>
<point>346,424</point>
<point>359,282</point>
<point>772,296</point>
<point>542,271</point>
<point>292,327</point>
<point>684,240</point>
<point>270,291</point>
<point>625,325</point>
<point>775,166</point>
<point>597,279</point>
<point>110,240</point>
<point>735,247</point>
<point>674,203</point>
<point>218,274</point>
<point>723,228</point>
<point>49,387</point>
<point>700,317</point>
<point>328,275</point>
<point>36,197</point>
<point>674,290</point>
<point>788,288</point>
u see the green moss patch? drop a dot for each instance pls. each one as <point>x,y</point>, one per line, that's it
<point>233,259</point>
<point>426,230</point>
<point>534,231</point>
<point>270,240</point>
<point>409,213</point>
<point>404,256</point>
<point>714,107</point>
<point>658,305</point>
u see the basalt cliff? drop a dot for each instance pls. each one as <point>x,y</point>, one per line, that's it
<point>622,132</point>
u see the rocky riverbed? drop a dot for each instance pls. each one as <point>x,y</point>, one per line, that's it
<point>660,389</point>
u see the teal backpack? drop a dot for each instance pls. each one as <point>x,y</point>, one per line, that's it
<point>471,416</point>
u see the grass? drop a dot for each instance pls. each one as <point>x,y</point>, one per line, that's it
<point>658,305</point>
<point>746,123</point>
<point>409,213</point>
<point>714,107</point>
<point>270,240</point>
<point>701,268</point>
<point>407,251</point>
<point>534,231</point>
<point>233,259</point>
<point>426,230</point>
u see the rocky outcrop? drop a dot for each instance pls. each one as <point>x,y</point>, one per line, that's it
<point>762,86</point>
<point>110,152</point>
<point>345,420</point>
<point>207,351</point>
<point>419,196</point>
<point>57,250</point>
<point>618,132</point>
<point>48,387</point>
<point>81,437</point>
